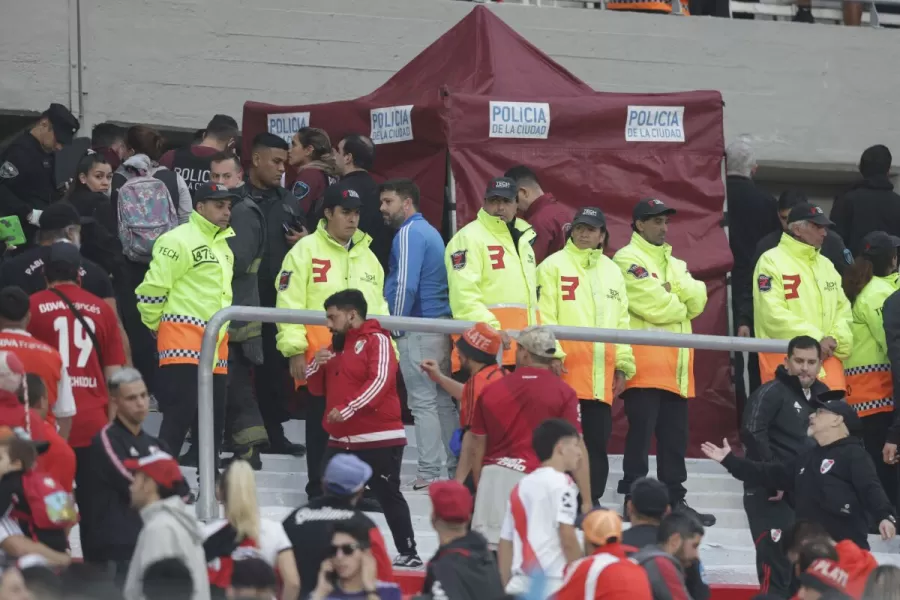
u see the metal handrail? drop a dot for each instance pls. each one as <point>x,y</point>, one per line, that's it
<point>207,507</point>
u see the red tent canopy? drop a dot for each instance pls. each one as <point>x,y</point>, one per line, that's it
<point>487,97</point>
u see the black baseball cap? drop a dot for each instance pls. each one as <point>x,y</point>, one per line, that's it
<point>502,187</point>
<point>878,243</point>
<point>650,207</point>
<point>64,252</point>
<point>649,497</point>
<point>63,122</point>
<point>59,215</point>
<point>590,215</point>
<point>808,212</point>
<point>833,401</point>
<point>214,191</point>
<point>343,196</point>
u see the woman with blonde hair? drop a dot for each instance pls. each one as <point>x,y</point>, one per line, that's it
<point>311,155</point>
<point>243,533</point>
<point>883,584</point>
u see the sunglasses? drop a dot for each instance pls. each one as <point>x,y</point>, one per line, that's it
<point>345,549</point>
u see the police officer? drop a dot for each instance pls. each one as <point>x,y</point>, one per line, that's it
<point>797,291</point>
<point>581,287</point>
<point>27,168</point>
<point>189,280</point>
<point>491,267</point>
<point>834,484</point>
<point>662,295</point>
<point>773,429</point>
<point>335,257</point>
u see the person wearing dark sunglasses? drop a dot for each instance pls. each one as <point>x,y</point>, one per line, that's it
<point>350,572</point>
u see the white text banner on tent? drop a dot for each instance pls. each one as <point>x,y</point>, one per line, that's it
<point>392,124</point>
<point>528,120</point>
<point>285,125</point>
<point>655,124</point>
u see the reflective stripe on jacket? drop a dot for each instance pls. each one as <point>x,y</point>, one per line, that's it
<point>189,280</point>
<point>797,291</point>
<point>584,288</point>
<point>314,269</point>
<point>492,279</point>
<point>646,269</point>
<point>870,388</point>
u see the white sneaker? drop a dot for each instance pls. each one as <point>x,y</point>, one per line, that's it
<point>419,484</point>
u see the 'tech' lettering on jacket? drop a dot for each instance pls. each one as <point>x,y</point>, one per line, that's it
<point>168,253</point>
<point>203,255</point>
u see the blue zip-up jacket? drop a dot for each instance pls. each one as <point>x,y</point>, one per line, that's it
<point>416,285</point>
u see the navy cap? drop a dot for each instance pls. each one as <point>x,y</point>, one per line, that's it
<point>808,212</point>
<point>878,243</point>
<point>346,475</point>
<point>650,497</point>
<point>502,187</point>
<point>63,121</point>
<point>590,215</point>
<point>650,207</point>
<point>214,191</point>
<point>59,215</point>
<point>64,252</point>
<point>833,401</point>
<point>343,196</point>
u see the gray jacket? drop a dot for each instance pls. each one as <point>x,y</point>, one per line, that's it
<point>665,573</point>
<point>170,531</point>
<point>248,245</point>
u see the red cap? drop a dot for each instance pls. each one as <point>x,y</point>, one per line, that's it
<point>483,338</point>
<point>451,501</point>
<point>160,467</point>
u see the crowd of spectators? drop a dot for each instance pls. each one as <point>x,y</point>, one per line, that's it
<point>104,302</point>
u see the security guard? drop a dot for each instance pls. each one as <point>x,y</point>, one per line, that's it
<point>580,287</point>
<point>797,291</point>
<point>189,280</point>
<point>335,257</point>
<point>833,484</point>
<point>870,388</point>
<point>491,268</point>
<point>662,296</point>
<point>27,168</point>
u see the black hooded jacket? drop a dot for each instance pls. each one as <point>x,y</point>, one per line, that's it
<point>891,314</point>
<point>464,569</point>
<point>99,236</point>
<point>871,205</point>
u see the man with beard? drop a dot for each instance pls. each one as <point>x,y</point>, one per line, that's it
<point>677,548</point>
<point>416,286</point>
<point>357,374</point>
<point>773,429</point>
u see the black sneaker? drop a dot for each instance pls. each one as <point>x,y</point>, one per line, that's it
<point>625,517</point>
<point>286,447</point>
<point>708,520</point>
<point>251,455</point>
<point>803,15</point>
<point>408,561</point>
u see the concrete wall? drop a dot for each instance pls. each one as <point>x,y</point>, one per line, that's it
<point>807,94</point>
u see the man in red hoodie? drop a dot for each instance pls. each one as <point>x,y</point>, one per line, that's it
<point>550,220</point>
<point>357,374</point>
<point>605,573</point>
<point>858,563</point>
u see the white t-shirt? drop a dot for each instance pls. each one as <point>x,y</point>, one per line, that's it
<point>273,540</point>
<point>550,498</point>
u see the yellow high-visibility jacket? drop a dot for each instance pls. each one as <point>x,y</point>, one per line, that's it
<point>646,269</point>
<point>797,291</point>
<point>314,269</point>
<point>870,386</point>
<point>584,288</point>
<point>189,280</point>
<point>492,279</point>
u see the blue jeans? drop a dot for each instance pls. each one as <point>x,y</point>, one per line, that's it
<point>432,408</point>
